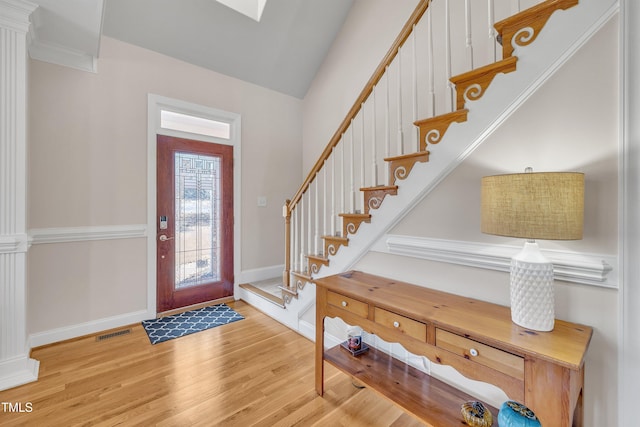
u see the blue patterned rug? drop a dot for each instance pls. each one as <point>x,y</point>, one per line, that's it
<point>189,322</point>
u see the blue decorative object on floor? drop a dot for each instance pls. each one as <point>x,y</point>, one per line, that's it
<point>189,322</point>
<point>514,414</point>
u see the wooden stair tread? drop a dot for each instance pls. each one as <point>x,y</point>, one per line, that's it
<point>432,129</point>
<point>289,290</point>
<point>425,397</point>
<point>380,188</point>
<point>263,294</point>
<point>356,215</point>
<point>407,156</point>
<point>401,166</point>
<point>472,84</point>
<point>318,257</point>
<point>446,117</point>
<point>302,275</point>
<point>503,65</point>
<point>336,238</point>
<point>534,18</point>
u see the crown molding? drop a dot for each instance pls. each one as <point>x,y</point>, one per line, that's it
<point>14,14</point>
<point>61,55</point>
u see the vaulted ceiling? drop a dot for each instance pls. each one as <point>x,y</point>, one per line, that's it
<point>282,51</point>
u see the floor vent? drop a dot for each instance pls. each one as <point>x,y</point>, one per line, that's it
<point>113,334</point>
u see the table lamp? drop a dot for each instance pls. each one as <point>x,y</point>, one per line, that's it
<point>547,206</point>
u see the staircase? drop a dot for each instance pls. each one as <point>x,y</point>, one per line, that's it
<point>433,97</point>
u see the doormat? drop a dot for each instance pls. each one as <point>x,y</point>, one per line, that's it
<point>189,322</point>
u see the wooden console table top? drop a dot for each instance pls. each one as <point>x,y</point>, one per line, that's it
<point>543,370</point>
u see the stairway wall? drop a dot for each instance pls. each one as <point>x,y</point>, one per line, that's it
<point>570,124</point>
<point>369,30</point>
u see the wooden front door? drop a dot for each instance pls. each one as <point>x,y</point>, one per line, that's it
<point>194,228</point>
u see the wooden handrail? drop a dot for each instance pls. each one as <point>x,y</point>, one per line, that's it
<point>373,81</point>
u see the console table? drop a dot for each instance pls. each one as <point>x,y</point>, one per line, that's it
<point>543,370</point>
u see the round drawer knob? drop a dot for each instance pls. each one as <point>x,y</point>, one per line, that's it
<point>473,352</point>
<point>344,303</point>
<point>396,324</point>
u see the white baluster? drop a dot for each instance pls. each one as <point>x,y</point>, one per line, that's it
<point>374,164</point>
<point>469,41</point>
<point>342,175</point>
<point>333,191</point>
<point>447,23</point>
<point>352,172</point>
<point>294,253</point>
<point>362,180</point>
<point>302,259</point>
<point>325,208</point>
<point>493,51</point>
<point>414,80</point>
<point>432,78</point>
<point>309,226</point>
<point>400,142</point>
<point>387,125</point>
<point>317,216</point>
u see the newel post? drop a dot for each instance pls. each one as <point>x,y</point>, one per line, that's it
<point>286,213</point>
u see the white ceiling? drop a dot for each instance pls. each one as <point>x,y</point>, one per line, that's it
<point>281,52</point>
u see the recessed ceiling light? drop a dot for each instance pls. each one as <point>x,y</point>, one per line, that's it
<point>251,8</point>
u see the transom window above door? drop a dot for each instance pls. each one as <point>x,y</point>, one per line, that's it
<point>192,124</point>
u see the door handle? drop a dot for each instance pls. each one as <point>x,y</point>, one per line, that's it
<point>164,238</point>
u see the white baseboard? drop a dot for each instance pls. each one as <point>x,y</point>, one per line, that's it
<point>18,371</point>
<point>74,331</point>
<point>307,329</point>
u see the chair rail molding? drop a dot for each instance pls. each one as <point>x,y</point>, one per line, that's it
<point>583,268</point>
<point>84,234</point>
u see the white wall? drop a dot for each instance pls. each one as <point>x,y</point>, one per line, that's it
<point>367,34</point>
<point>87,154</point>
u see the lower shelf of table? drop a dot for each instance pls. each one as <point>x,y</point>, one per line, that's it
<point>434,402</point>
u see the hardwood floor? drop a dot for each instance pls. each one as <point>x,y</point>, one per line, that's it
<point>255,372</point>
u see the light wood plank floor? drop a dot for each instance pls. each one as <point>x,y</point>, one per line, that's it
<point>254,372</point>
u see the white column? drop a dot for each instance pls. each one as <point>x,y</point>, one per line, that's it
<point>629,234</point>
<point>16,367</point>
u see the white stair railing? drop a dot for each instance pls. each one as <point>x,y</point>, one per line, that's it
<point>436,43</point>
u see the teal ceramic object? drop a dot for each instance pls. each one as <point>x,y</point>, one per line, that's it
<point>514,414</point>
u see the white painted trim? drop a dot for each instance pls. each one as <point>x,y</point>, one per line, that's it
<point>154,104</point>
<point>257,274</point>
<point>61,55</point>
<point>13,243</point>
<point>586,269</point>
<point>18,371</point>
<point>307,330</point>
<point>83,234</point>
<point>87,328</point>
<point>13,13</point>
<point>16,367</point>
<point>629,212</point>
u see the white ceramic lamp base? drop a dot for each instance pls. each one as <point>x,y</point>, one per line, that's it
<point>532,293</point>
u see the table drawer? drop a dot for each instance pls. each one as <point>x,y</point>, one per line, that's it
<point>491,357</point>
<point>405,325</point>
<point>351,305</point>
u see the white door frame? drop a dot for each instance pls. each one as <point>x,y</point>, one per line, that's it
<point>156,103</point>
